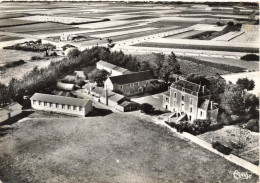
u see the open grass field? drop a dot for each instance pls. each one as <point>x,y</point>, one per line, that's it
<point>111,148</point>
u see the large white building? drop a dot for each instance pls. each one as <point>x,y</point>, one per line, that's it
<point>61,104</point>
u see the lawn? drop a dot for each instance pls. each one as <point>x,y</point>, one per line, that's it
<point>112,148</point>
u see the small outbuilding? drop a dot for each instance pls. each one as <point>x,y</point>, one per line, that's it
<point>10,111</point>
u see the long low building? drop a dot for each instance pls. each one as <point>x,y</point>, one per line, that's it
<point>61,104</point>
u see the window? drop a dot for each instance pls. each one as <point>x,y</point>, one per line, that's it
<point>62,106</point>
<point>182,107</point>
<point>34,101</point>
<point>80,108</point>
<point>175,95</point>
<point>182,97</point>
<point>183,89</point>
<point>74,107</point>
<point>131,85</point>
<point>191,101</point>
<point>166,99</point>
<point>191,109</point>
<point>40,102</point>
<point>57,105</point>
<point>68,106</point>
<point>190,117</point>
<point>121,87</point>
<point>45,103</point>
<point>201,113</point>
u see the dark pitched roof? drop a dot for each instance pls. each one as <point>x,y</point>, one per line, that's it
<point>188,85</point>
<point>132,77</point>
<point>59,99</point>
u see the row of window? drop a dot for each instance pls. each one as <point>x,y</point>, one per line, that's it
<point>183,98</point>
<point>56,105</point>
<point>132,84</point>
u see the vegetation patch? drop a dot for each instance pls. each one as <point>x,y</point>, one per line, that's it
<point>12,64</point>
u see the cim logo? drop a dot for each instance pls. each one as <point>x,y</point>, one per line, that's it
<point>241,175</point>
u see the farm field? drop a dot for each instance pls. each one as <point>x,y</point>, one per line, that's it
<point>19,71</point>
<point>109,148</point>
<point>8,38</point>
<point>14,22</point>
<point>25,29</point>
<point>64,20</point>
<point>15,55</point>
<point>185,35</point>
<point>251,65</point>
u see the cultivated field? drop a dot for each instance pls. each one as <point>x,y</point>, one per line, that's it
<point>110,148</point>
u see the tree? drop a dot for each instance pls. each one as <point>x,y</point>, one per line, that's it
<point>144,66</point>
<point>146,108</point>
<point>245,84</point>
<point>99,76</point>
<point>232,100</point>
<point>198,79</point>
<point>4,95</point>
<point>159,59</point>
<point>170,66</point>
<point>72,52</point>
<point>216,88</point>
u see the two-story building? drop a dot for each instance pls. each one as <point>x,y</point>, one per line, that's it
<point>61,104</point>
<point>130,84</point>
<point>113,70</point>
<point>189,101</point>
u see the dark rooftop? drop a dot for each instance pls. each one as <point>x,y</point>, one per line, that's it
<point>131,78</point>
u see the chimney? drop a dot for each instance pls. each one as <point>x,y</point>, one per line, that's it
<point>203,89</point>
<point>211,105</point>
<point>106,93</point>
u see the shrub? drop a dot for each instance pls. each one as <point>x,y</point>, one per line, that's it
<point>221,148</point>
<point>72,52</point>
<point>35,58</point>
<point>230,23</point>
<point>252,125</point>
<point>146,108</point>
<point>250,57</point>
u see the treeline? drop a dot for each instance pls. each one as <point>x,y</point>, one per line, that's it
<point>45,79</point>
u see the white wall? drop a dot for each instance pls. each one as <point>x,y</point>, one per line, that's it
<point>70,111</point>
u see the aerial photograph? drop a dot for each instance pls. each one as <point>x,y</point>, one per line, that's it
<point>129,91</point>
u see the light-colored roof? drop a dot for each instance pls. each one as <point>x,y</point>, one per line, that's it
<point>60,99</point>
<point>10,107</point>
<point>70,77</point>
<point>106,64</point>
<point>80,74</point>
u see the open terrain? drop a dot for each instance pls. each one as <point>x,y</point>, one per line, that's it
<point>109,148</point>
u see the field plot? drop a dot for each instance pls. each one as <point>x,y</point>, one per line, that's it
<point>8,38</point>
<point>37,28</point>
<point>108,24</point>
<point>200,45</point>
<point>111,148</point>
<point>14,22</point>
<point>186,35</point>
<point>230,134</point>
<point>15,55</point>
<point>112,34</point>
<point>11,15</point>
<point>162,24</point>
<point>251,65</point>
<point>228,36</point>
<point>57,19</point>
